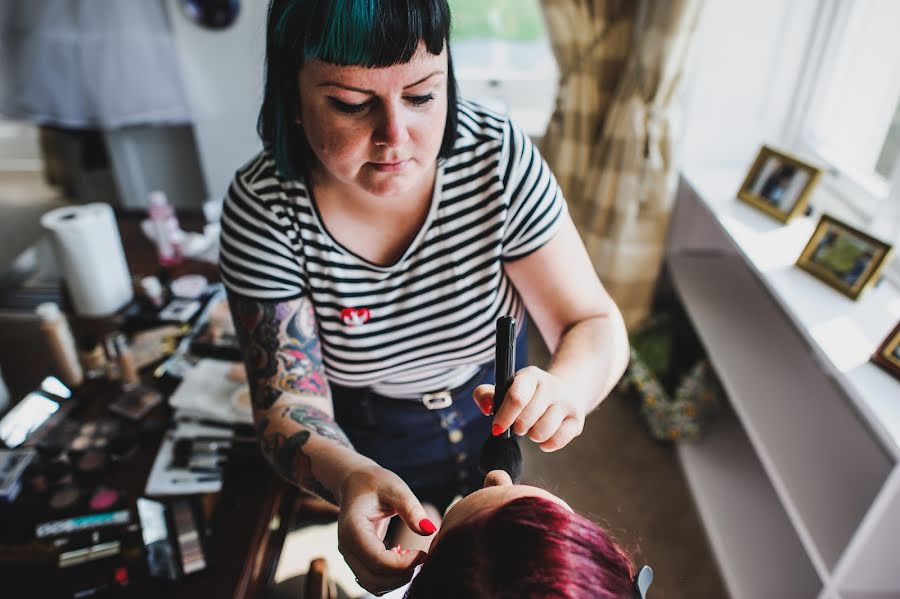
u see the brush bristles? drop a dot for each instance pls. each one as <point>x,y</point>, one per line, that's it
<point>502,453</point>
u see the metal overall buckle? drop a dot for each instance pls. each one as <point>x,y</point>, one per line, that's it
<point>437,401</point>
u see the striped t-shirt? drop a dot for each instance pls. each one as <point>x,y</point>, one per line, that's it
<point>427,322</point>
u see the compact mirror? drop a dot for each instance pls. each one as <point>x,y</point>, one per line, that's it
<point>212,14</point>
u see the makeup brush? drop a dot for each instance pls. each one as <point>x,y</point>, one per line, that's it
<point>502,452</point>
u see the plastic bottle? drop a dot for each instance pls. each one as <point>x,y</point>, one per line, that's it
<point>165,228</point>
<point>127,366</point>
<point>61,343</point>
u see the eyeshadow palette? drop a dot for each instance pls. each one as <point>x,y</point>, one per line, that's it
<point>93,435</point>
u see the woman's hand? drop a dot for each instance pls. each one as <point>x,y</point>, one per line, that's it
<point>369,498</point>
<point>536,405</point>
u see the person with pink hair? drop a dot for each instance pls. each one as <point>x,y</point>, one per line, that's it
<point>513,541</point>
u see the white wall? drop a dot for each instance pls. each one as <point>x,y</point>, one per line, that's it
<point>223,74</point>
<point>743,77</point>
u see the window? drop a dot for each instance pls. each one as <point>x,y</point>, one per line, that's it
<point>851,118</point>
<point>820,79</point>
<point>503,59</point>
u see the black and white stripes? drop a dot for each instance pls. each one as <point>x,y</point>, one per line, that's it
<point>426,322</point>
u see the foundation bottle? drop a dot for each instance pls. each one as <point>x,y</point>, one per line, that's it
<point>61,343</point>
<point>128,371</point>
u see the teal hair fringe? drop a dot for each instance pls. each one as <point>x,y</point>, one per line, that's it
<point>347,35</point>
<point>347,38</point>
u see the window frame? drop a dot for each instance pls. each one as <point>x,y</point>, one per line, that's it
<point>864,202</point>
<point>856,190</point>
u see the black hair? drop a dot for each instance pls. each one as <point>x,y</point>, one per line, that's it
<point>371,33</point>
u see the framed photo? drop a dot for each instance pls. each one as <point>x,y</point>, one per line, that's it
<point>843,257</point>
<point>779,184</point>
<point>888,354</point>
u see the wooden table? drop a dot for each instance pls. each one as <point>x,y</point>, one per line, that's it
<point>248,519</point>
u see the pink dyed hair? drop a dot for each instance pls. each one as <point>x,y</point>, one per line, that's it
<point>526,548</point>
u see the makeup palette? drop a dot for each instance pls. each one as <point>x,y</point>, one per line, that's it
<point>93,435</point>
<point>104,499</point>
<point>66,499</point>
<point>91,464</point>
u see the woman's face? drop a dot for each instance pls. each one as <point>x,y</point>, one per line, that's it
<point>498,490</point>
<point>378,129</point>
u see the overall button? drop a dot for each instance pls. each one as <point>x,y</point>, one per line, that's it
<point>461,457</point>
<point>455,436</point>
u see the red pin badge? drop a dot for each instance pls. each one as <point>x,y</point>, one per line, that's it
<point>354,317</point>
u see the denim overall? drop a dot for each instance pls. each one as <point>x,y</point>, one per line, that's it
<point>432,444</point>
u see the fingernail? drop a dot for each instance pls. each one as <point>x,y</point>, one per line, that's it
<point>407,551</point>
<point>428,526</point>
<point>487,408</point>
<point>496,430</point>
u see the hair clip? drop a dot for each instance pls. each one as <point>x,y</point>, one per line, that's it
<point>641,582</point>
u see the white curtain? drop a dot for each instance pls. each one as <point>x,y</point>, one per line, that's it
<point>89,64</point>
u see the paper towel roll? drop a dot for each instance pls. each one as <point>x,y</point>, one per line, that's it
<point>90,254</point>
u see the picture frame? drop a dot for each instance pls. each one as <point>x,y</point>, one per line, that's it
<point>779,184</point>
<point>887,356</point>
<point>843,257</point>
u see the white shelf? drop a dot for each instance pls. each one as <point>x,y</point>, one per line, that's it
<point>842,333</point>
<point>870,565</point>
<point>811,454</point>
<point>791,414</point>
<point>759,553</point>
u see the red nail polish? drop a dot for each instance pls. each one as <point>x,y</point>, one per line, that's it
<point>497,429</point>
<point>428,526</point>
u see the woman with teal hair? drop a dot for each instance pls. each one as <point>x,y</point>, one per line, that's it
<point>368,251</point>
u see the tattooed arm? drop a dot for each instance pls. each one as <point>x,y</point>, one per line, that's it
<point>292,406</point>
<point>295,423</point>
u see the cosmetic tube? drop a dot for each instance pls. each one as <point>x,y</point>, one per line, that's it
<point>127,367</point>
<point>61,343</point>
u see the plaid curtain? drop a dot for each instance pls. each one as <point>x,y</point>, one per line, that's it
<point>612,135</point>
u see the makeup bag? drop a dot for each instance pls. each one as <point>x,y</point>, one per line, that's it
<point>672,379</point>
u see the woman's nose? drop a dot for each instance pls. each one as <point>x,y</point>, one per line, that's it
<point>497,478</point>
<point>391,129</point>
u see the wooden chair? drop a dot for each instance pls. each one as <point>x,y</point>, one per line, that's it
<point>318,583</point>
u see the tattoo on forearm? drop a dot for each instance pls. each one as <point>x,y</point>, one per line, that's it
<point>293,464</point>
<point>289,459</point>
<point>281,348</point>
<point>319,421</point>
<point>283,355</point>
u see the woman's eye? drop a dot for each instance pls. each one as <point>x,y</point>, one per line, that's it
<point>420,100</point>
<point>349,108</point>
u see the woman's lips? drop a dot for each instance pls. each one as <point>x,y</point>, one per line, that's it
<point>390,167</point>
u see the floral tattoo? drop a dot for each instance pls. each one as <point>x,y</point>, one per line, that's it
<point>283,356</point>
<point>281,349</point>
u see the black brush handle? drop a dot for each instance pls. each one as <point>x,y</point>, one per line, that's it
<point>505,362</point>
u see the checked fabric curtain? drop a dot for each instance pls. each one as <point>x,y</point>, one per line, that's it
<point>612,136</point>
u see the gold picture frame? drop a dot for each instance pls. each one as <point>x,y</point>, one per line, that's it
<point>888,354</point>
<point>779,184</point>
<point>843,257</point>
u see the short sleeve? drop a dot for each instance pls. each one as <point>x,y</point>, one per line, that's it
<point>536,203</point>
<point>256,259</point>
